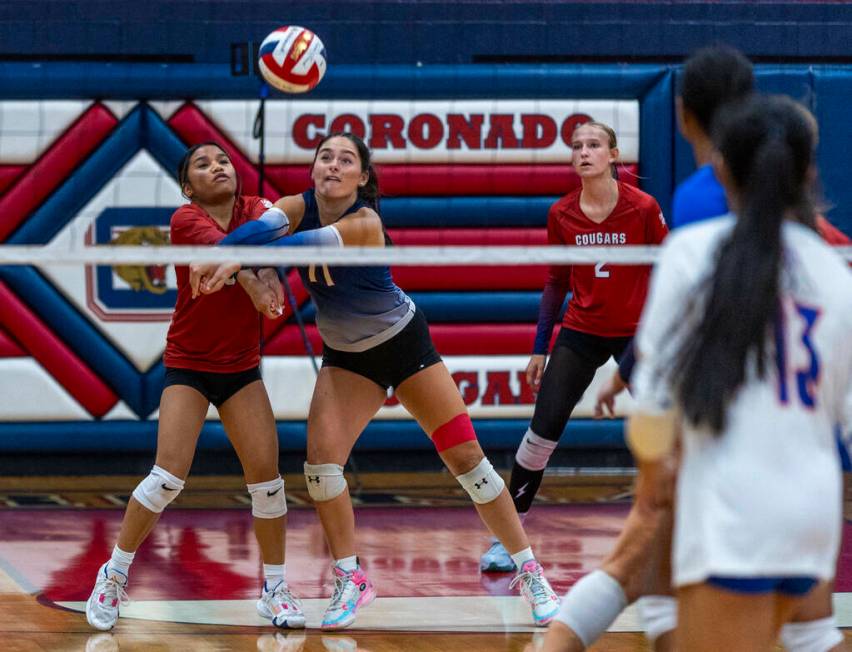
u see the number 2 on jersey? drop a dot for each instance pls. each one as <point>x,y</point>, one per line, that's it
<point>600,272</point>
<point>807,376</point>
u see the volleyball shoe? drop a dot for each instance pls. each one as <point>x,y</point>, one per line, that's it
<point>106,598</point>
<point>496,559</point>
<point>537,592</point>
<point>352,591</point>
<point>279,605</point>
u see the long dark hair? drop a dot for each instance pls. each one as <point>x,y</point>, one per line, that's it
<point>767,147</point>
<point>712,77</point>
<point>183,165</point>
<point>369,192</point>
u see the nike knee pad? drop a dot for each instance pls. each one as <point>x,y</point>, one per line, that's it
<point>535,451</point>
<point>158,489</point>
<point>325,481</point>
<point>268,499</point>
<point>483,483</point>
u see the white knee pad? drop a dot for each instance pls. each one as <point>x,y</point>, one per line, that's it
<point>325,481</point>
<point>483,483</point>
<point>592,605</point>
<point>158,489</point>
<point>811,636</point>
<point>534,452</point>
<point>267,498</point>
<point>658,614</point>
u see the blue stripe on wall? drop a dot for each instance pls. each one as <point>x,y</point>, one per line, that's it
<point>141,436</point>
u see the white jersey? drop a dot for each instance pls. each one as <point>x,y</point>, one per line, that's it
<point>764,498</point>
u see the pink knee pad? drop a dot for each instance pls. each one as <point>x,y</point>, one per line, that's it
<point>456,431</point>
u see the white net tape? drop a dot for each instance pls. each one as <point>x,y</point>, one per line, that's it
<point>253,256</point>
<point>283,256</point>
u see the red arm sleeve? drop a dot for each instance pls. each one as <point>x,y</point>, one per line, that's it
<point>830,233</point>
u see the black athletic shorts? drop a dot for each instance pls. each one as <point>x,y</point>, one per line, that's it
<point>574,360</point>
<point>595,349</point>
<point>216,388</point>
<point>391,362</point>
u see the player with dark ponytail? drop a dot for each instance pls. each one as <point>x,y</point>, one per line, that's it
<point>743,357</point>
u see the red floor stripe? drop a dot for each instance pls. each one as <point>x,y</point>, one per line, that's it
<point>452,180</point>
<point>450,339</point>
<point>8,174</point>
<point>54,166</point>
<point>194,127</point>
<point>59,361</point>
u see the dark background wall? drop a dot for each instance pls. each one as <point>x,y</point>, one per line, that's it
<point>800,48</point>
<point>456,31</point>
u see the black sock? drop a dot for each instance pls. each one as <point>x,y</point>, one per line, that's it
<point>523,486</point>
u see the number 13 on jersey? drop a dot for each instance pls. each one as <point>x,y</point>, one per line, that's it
<point>806,375</point>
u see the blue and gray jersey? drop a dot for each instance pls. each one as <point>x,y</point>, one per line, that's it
<point>357,307</point>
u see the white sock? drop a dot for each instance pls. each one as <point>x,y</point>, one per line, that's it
<point>272,574</point>
<point>522,557</point>
<point>347,563</point>
<point>592,605</point>
<point>120,561</point>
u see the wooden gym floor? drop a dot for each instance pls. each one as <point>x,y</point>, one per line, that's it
<point>194,582</point>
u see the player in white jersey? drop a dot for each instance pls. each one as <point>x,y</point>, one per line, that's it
<point>744,358</point>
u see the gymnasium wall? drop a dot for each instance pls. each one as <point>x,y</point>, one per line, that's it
<point>92,125</point>
<point>426,31</point>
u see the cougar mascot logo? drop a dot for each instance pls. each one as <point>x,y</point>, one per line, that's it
<point>143,277</point>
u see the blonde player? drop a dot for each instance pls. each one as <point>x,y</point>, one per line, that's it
<point>743,356</point>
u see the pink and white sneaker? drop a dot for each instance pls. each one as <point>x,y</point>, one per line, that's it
<point>352,590</point>
<point>281,607</point>
<point>106,598</point>
<point>537,592</point>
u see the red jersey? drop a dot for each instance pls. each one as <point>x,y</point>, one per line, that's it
<point>217,332</point>
<point>830,233</point>
<point>607,299</point>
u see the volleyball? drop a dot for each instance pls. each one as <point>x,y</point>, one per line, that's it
<point>292,59</point>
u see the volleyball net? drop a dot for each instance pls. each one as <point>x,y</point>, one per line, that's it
<point>409,256</point>
<point>83,330</point>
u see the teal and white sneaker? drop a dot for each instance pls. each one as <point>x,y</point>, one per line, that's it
<point>352,590</point>
<point>536,590</point>
<point>106,598</point>
<point>496,559</point>
<point>281,607</point>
